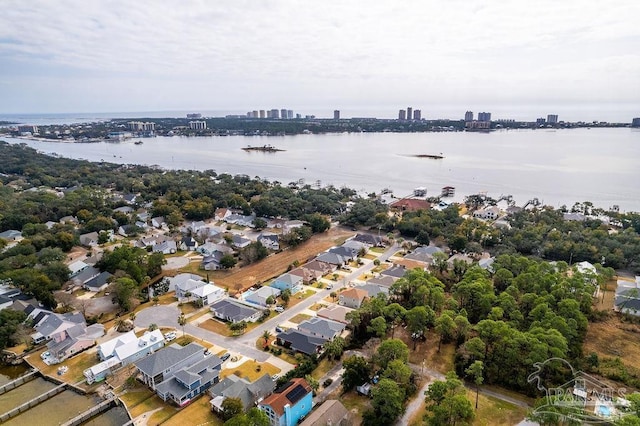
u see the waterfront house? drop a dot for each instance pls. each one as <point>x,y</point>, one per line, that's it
<point>289,403</point>
<point>410,205</point>
<point>260,296</point>
<point>250,393</point>
<point>490,213</point>
<point>289,282</point>
<point>300,341</point>
<point>352,298</point>
<point>66,334</point>
<point>180,373</point>
<point>231,310</point>
<point>321,327</point>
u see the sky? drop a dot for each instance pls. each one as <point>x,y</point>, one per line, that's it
<point>518,59</point>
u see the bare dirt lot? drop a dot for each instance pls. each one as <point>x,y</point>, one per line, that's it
<point>276,264</point>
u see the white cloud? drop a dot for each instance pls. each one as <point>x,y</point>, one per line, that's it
<point>244,53</point>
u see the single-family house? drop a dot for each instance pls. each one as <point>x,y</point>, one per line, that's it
<point>250,393</point>
<point>222,213</point>
<point>5,302</point>
<point>197,226</point>
<point>231,310</point>
<point>188,244</point>
<point>349,253</point>
<point>332,259</point>
<point>260,296</point>
<point>487,263</point>
<point>490,213</point>
<point>269,240</point>
<point>289,282</point>
<point>308,275</point>
<point>383,280</point>
<point>374,289</point>
<point>321,327</point>
<point>627,299</point>
<point>11,235</point>
<point>290,225</point>
<point>142,225</point>
<point>322,267</point>
<point>211,262</point>
<point>165,247</point>
<point>84,275</point>
<point>240,220</point>
<point>76,267</point>
<point>180,280</point>
<point>158,222</point>
<point>239,241</point>
<point>66,334</point>
<point>124,209</point>
<point>185,288</point>
<point>143,216</point>
<point>127,230</point>
<point>424,254</point>
<point>335,313</point>
<point>130,198</point>
<point>98,283</point>
<point>72,220</point>
<point>180,373</point>
<point>123,350</point>
<point>300,341</point>
<point>368,239</point>
<point>208,294</point>
<point>459,256</point>
<point>396,271</point>
<point>289,403</point>
<point>209,248</point>
<point>331,412</point>
<point>89,240</point>
<point>352,297</point>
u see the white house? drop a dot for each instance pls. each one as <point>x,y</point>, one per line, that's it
<point>490,213</point>
<point>208,293</point>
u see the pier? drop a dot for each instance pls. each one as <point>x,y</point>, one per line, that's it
<point>32,403</point>
<point>95,410</point>
<point>19,381</point>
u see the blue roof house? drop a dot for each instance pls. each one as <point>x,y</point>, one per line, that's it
<point>288,281</point>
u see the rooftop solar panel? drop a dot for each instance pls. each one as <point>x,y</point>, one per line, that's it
<point>296,394</point>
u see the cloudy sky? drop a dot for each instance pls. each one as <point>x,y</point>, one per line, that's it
<point>515,58</point>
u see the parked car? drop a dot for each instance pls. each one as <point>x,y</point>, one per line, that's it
<point>225,357</point>
<point>279,309</point>
<point>170,336</point>
<point>329,286</point>
<point>279,329</point>
<point>275,377</point>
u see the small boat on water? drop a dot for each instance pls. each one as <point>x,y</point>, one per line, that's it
<point>431,156</point>
<point>263,148</point>
<point>138,143</point>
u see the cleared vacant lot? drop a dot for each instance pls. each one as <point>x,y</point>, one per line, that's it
<point>274,265</point>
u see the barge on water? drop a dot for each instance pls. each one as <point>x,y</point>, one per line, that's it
<point>263,148</point>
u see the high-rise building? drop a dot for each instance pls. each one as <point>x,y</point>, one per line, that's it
<point>198,125</point>
<point>540,121</point>
<point>27,128</point>
<point>635,122</point>
<point>402,115</point>
<point>468,116</point>
<point>484,116</point>
<point>298,116</point>
<point>275,113</point>
<point>283,114</point>
<point>141,126</point>
<point>409,113</point>
<point>336,114</point>
<point>417,114</point>
<point>262,114</point>
<point>289,114</point>
<point>552,118</point>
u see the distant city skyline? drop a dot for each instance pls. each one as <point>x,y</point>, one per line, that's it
<point>517,60</point>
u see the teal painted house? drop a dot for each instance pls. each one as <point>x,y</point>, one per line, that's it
<point>288,404</point>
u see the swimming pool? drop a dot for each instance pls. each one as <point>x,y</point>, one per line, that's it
<point>603,410</point>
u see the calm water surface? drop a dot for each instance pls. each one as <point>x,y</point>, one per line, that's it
<point>558,167</point>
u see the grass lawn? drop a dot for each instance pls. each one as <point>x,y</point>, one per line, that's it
<point>377,249</point>
<point>300,318</point>
<point>614,338</point>
<point>323,368</point>
<point>299,297</point>
<point>285,356</point>
<point>317,306</point>
<point>249,369</point>
<point>192,268</point>
<point>198,412</point>
<point>216,326</point>
<point>76,365</point>
<point>370,256</point>
<point>260,342</point>
<point>353,402</point>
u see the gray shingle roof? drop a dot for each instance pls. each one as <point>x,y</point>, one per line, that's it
<point>249,393</point>
<point>157,362</point>
<point>233,310</point>
<point>301,341</point>
<point>322,327</point>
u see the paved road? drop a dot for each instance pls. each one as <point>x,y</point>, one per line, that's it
<point>167,316</point>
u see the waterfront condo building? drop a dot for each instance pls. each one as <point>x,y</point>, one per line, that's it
<point>468,116</point>
<point>409,113</point>
<point>484,116</point>
<point>417,114</point>
<point>263,114</point>
<point>283,114</point>
<point>336,114</point>
<point>402,115</point>
<point>635,122</point>
<point>198,125</point>
<point>552,118</point>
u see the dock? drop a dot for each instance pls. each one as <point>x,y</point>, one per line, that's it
<point>19,381</point>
